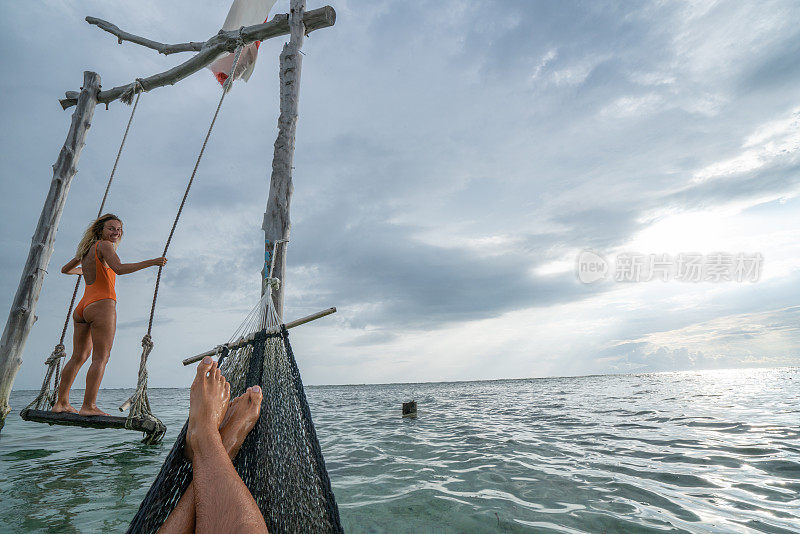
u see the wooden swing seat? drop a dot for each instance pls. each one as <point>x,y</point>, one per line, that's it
<point>92,421</point>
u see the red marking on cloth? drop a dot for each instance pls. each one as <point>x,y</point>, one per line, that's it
<point>221,76</point>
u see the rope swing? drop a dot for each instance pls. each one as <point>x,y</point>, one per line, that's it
<point>140,416</point>
<point>47,396</point>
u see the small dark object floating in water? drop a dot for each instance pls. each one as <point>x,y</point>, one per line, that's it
<point>410,409</point>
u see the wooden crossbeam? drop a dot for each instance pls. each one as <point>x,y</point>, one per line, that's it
<point>207,52</point>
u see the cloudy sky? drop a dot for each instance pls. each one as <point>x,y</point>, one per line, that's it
<point>453,160</point>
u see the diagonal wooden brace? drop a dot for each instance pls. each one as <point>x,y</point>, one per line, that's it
<point>224,41</point>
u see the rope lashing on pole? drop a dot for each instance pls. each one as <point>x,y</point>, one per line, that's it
<point>269,280</point>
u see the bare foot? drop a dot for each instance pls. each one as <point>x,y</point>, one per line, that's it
<point>208,401</point>
<point>240,419</point>
<point>91,410</point>
<point>63,407</point>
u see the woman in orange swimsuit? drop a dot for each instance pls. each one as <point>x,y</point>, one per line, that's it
<point>95,316</point>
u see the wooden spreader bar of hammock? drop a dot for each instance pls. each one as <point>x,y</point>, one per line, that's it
<point>242,341</point>
<point>93,421</point>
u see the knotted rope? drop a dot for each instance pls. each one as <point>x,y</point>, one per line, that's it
<point>47,398</point>
<point>139,404</point>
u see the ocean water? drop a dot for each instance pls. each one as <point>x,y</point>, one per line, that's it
<point>715,451</point>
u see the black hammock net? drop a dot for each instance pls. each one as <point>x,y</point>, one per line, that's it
<point>280,461</point>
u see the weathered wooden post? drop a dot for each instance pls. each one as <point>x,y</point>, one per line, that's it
<point>22,315</point>
<point>277,224</point>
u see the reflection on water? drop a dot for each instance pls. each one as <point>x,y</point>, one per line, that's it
<point>681,452</point>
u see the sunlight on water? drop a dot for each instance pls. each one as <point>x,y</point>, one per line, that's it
<point>712,451</point>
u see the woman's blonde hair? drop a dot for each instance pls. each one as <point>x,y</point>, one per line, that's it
<point>94,232</point>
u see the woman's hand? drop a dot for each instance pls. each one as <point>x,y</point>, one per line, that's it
<point>73,266</point>
<point>159,262</point>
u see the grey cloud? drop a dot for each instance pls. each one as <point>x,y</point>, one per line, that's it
<point>776,297</point>
<point>601,227</point>
<point>419,285</point>
<point>779,67</point>
<point>141,324</point>
<point>639,357</point>
<point>773,180</point>
<point>370,339</point>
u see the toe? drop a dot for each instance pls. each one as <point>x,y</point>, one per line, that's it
<point>204,366</point>
<point>254,398</point>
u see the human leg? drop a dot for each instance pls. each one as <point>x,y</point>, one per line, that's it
<point>239,420</point>
<point>222,501</point>
<point>81,349</point>
<point>102,317</point>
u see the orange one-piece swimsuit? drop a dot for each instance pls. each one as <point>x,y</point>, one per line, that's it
<point>102,288</point>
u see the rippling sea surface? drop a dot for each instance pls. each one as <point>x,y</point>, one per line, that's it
<point>715,451</point>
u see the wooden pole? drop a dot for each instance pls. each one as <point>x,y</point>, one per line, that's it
<point>246,339</point>
<point>22,315</point>
<point>277,224</point>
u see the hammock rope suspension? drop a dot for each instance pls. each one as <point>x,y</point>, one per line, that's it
<point>281,460</point>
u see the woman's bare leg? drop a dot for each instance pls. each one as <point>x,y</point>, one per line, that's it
<point>222,501</point>
<point>81,349</point>
<point>102,316</point>
<point>239,420</point>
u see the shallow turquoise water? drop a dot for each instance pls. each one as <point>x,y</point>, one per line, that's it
<point>715,451</point>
